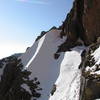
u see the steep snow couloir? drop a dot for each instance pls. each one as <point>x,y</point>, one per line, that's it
<point>62,72</point>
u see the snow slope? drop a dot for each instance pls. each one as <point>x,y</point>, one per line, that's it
<point>64,72</point>
<point>68,82</point>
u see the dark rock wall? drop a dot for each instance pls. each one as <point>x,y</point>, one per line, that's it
<point>91,19</point>
<point>83,21</point>
<point>90,83</point>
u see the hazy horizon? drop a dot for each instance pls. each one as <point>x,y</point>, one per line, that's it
<point>23,20</point>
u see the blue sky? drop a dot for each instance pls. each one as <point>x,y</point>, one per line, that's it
<point>22,20</point>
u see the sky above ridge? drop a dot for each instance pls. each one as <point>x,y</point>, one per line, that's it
<point>22,20</point>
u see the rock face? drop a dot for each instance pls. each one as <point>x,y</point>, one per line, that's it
<point>91,19</point>
<point>90,66</point>
<point>83,21</point>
